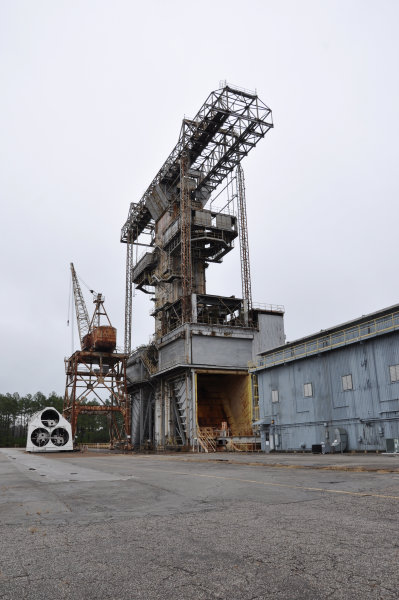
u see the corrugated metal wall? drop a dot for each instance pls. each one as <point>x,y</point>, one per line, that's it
<point>369,412</point>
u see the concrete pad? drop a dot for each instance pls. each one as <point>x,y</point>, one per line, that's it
<point>181,527</point>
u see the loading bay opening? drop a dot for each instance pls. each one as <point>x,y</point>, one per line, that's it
<point>224,412</point>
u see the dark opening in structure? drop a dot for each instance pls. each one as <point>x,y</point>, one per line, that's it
<point>50,417</point>
<point>224,404</point>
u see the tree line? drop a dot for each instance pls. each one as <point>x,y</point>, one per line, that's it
<point>16,412</point>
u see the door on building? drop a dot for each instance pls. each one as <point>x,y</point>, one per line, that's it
<point>267,437</point>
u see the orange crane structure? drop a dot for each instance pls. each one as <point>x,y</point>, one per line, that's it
<point>96,374</point>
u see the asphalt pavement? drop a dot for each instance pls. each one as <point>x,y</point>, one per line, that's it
<point>96,525</point>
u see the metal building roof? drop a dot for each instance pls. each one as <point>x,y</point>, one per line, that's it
<point>383,321</point>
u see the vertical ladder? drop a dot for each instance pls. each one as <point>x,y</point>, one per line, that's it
<point>243,237</point>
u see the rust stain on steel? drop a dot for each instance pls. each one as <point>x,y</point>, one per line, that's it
<point>90,376</point>
<point>104,338</point>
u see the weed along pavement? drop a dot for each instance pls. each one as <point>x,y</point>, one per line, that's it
<point>96,525</point>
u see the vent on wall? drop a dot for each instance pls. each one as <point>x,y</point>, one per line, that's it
<point>392,445</point>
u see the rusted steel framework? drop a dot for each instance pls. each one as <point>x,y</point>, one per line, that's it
<point>99,377</point>
<point>210,147</point>
<point>228,125</point>
<point>99,312</point>
<point>243,237</point>
<point>96,374</point>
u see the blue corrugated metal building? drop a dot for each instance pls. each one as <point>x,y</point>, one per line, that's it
<point>340,383</point>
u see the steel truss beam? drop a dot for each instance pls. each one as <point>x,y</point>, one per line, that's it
<point>228,125</point>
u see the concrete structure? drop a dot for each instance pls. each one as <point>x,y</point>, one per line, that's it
<point>196,380</point>
<point>340,383</point>
<point>190,386</point>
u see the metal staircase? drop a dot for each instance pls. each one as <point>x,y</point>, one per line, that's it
<point>178,405</point>
<point>147,362</point>
<point>206,439</point>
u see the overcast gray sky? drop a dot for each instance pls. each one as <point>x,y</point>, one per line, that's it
<point>92,97</point>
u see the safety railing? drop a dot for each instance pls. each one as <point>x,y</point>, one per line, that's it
<point>220,321</point>
<point>149,365</point>
<point>268,307</point>
<point>215,234</point>
<point>206,439</point>
<point>96,445</point>
<point>226,209</point>
<point>330,341</point>
<point>223,83</point>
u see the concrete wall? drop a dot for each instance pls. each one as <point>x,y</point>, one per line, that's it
<point>215,347</point>
<point>221,351</point>
<point>369,412</point>
<point>172,353</point>
<point>208,347</point>
<point>135,370</point>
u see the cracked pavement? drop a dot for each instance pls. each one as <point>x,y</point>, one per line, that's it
<point>112,526</point>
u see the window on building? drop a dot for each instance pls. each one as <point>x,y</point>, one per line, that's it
<point>274,395</point>
<point>347,383</point>
<point>307,390</point>
<point>394,373</point>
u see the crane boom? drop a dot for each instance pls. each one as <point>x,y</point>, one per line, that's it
<point>82,316</point>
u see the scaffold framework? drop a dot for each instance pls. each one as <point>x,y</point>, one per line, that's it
<point>211,147</point>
